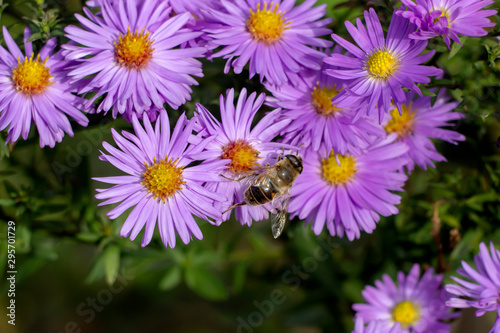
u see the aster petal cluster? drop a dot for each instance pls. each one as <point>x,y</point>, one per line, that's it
<point>448,19</point>
<point>422,121</point>
<point>130,53</point>
<point>349,192</point>
<point>276,38</point>
<point>242,147</point>
<point>479,288</point>
<point>315,122</point>
<point>162,185</point>
<point>415,303</point>
<point>35,88</point>
<point>197,8</point>
<point>379,67</point>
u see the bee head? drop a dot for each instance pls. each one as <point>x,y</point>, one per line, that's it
<point>296,161</point>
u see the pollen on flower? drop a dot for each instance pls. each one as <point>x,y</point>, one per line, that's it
<point>267,25</point>
<point>381,65</point>
<point>242,155</point>
<point>134,50</point>
<point>31,76</point>
<point>339,174</point>
<point>163,178</point>
<point>401,124</point>
<point>322,100</point>
<point>406,314</point>
<point>444,13</point>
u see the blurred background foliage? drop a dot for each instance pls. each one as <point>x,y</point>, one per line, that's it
<point>76,273</point>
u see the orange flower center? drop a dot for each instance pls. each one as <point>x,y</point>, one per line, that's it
<point>134,50</point>
<point>242,155</point>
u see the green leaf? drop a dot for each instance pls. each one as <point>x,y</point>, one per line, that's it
<point>171,278</point>
<point>205,283</point>
<point>493,175</point>
<point>451,221</point>
<point>476,202</point>
<point>7,202</point>
<point>454,50</point>
<point>111,263</point>
<point>88,237</point>
<point>35,36</point>
<point>457,94</point>
<point>427,92</point>
<point>97,270</point>
<point>484,197</point>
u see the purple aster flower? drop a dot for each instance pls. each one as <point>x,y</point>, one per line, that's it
<point>483,290</point>
<point>36,88</point>
<point>275,37</point>
<point>315,121</point>
<point>416,304</point>
<point>380,67</point>
<point>244,147</point>
<point>376,326</point>
<point>447,18</point>
<point>420,122</point>
<point>347,192</point>
<point>161,185</point>
<point>128,52</point>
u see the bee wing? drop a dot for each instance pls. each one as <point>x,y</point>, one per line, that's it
<point>262,177</point>
<point>278,220</point>
<point>248,176</point>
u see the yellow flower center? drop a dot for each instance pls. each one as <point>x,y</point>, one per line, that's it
<point>31,77</point>
<point>267,25</point>
<point>444,13</point>
<point>381,65</point>
<point>406,314</point>
<point>163,178</point>
<point>322,100</point>
<point>134,50</point>
<point>401,124</point>
<point>337,174</point>
<point>242,155</point>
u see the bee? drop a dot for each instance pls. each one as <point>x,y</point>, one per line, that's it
<point>271,183</point>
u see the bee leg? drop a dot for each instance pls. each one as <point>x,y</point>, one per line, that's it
<point>235,205</point>
<point>234,180</point>
<point>281,154</point>
<point>299,148</point>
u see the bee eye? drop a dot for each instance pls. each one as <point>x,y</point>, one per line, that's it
<point>297,163</point>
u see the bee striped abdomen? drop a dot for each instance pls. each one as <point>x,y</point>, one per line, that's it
<point>259,195</point>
